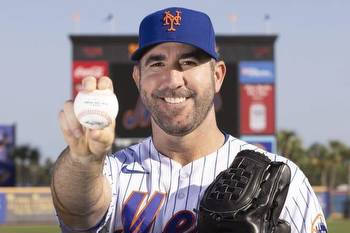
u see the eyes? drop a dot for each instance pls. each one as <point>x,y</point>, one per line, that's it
<point>157,64</point>
<point>189,62</point>
<point>184,64</point>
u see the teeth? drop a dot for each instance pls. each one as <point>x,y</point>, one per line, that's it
<point>174,100</point>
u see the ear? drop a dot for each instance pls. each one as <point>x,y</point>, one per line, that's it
<point>219,75</point>
<point>136,75</point>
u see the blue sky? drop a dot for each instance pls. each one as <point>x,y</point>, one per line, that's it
<point>312,59</point>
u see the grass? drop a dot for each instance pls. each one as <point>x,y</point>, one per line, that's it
<point>30,229</point>
<point>338,226</point>
<point>334,226</point>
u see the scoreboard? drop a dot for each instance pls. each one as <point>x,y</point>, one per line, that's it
<point>245,106</point>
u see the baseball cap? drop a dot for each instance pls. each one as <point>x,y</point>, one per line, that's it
<point>176,24</point>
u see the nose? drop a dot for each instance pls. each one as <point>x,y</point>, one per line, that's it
<point>175,79</point>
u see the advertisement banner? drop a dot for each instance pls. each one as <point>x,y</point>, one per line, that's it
<point>256,72</point>
<point>7,174</point>
<point>7,144</point>
<point>26,205</point>
<point>7,141</point>
<point>3,208</point>
<point>267,143</point>
<point>257,109</point>
<point>82,69</point>
<point>325,199</point>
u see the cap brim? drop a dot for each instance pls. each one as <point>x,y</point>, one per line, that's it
<point>137,55</point>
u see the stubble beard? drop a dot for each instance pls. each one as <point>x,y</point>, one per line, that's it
<point>201,107</point>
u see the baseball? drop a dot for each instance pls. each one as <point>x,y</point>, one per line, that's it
<point>96,109</point>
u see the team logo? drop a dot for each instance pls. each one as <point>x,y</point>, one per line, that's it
<point>318,225</point>
<point>172,20</point>
<point>134,168</point>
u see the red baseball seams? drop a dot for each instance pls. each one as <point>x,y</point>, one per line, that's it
<point>95,112</point>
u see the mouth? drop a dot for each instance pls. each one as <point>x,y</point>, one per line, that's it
<point>174,100</point>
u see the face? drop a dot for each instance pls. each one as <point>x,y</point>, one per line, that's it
<point>177,83</point>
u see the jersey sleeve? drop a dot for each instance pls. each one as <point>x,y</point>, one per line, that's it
<point>302,209</point>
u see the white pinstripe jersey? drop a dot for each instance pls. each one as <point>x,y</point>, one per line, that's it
<point>152,193</point>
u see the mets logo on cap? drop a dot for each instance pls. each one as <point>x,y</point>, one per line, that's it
<point>172,20</point>
<point>318,225</point>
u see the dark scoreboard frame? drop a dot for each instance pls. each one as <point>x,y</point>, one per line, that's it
<point>133,121</point>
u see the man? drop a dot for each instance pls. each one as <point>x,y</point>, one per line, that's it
<point>156,185</point>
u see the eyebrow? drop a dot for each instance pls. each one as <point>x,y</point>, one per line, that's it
<point>196,54</point>
<point>155,57</point>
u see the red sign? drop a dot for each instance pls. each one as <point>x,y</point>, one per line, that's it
<point>92,51</point>
<point>82,69</point>
<point>257,109</point>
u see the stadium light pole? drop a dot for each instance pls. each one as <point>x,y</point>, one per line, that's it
<point>76,22</point>
<point>348,163</point>
<point>267,23</point>
<point>233,18</point>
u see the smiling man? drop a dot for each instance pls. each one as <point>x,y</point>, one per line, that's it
<point>157,185</point>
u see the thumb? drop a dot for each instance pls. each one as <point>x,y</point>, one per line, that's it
<point>100,141</point>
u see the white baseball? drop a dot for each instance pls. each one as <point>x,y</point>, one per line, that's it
<point>96,109</point>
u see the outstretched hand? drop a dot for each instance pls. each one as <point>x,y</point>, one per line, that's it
<point>85,144</point>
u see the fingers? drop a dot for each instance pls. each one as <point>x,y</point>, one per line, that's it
<point>105,135</point>
<point>91,83</point>
<point>105,83</point>
<point>96,142</point>
<point>70,139</point>
<point>84,141</point>
<point>70,127</point>
<point>71,120</point>
<point>100,141</point>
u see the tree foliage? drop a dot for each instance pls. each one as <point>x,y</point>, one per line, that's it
<point>29,170</point>
<point>325,165</point>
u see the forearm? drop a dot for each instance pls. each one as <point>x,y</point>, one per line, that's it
<point>81,194</point>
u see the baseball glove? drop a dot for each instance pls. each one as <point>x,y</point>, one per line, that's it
<point>248,197</point>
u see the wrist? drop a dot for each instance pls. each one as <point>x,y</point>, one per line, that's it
<point>87,163</point>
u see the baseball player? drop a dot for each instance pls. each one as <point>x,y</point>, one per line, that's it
<point>161,184</point>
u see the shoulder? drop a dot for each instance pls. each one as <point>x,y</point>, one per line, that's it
<point>129,154</point>
<point>299,184</point>
<point>302,208</point>
<point>237,145</point>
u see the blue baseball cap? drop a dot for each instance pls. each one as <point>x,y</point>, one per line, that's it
<point>176,24</point>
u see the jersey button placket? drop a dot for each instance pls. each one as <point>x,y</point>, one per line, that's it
<point>181,195</point>
<point>183,175</point>
<point>183,180</point>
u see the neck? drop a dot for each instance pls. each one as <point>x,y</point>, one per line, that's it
<point>205,139</point>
